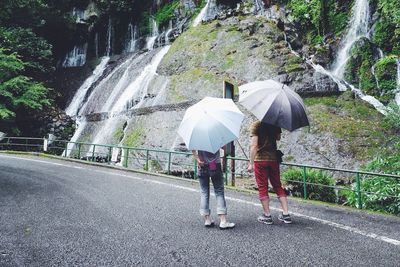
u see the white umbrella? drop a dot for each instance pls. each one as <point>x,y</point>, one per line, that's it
<point>210,124</point>
<point>274,103</point>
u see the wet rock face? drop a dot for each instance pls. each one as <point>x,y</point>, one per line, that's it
<point>242,49</point>
<point>57,123</point>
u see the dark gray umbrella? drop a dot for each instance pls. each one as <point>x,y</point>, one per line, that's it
<point>274,103</point>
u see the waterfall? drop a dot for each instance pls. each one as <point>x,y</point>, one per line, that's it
<point>109,38</point>
<point>95,100</point>
<point>136,90</point>
<point>77,101</point>
<point>201,15</point>
<point>376,78</point>
<point>168,32</point>
<point>80,125</point>
<point>154,34</point>
<point>342,84</point>
<point>359,27</point>
<point>259,7</point>
<point>76,57</point>
<point>397,97</point>
<point>141,83</point>
<point>79,15</point>
<point>96,45</point>
<point>132,39</point>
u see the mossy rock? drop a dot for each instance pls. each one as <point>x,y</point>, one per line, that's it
<point>386,74</point>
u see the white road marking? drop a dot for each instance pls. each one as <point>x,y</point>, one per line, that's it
<point>330,223</point>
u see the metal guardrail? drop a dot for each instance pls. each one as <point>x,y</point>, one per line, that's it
<point>177,163</point>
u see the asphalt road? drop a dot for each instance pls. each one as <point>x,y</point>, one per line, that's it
<point>59,213</point>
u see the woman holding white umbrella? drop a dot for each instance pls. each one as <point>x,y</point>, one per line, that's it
<point>205,128</point>
<point>209,165</point>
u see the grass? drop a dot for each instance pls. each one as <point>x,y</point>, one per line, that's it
<point>359,126</point>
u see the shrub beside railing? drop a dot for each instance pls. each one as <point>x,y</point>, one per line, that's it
<point>363,190</point>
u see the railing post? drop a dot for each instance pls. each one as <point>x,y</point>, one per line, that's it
<point>358,183</point>
<point>26,144</point>
<point>126,157</point>
<point>66,149</point>
<point>305,182</point>
<point>169,162</point>
<point>147,160</point>
<point>93,152</point>
<point>195,169</point>
<point>79,150</point>
<point>226,173</point>
<point>109,154</point>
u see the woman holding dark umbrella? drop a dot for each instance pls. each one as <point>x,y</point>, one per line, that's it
<point>264,163</point>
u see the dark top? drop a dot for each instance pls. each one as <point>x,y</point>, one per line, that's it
<point>267,135</point>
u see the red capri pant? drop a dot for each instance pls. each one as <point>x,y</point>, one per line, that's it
<point>265,170</point>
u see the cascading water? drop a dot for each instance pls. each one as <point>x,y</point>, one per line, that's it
<point>77,101</point>
<point>96,44</point>
<point>201,15</point>
<point>76,57</point>
<point>259,7</point>
<point>109,38</point>
<point>136,90</point>
<point>376,78</point>
<point>359,27</point>
<point>154,34</point>
<point>360,21</point>
<point>167,34</point>
<point>99,95</point>
<point>79,15</point>
<point>132,39</point>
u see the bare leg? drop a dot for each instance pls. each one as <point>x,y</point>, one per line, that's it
<point>284,204</point>
<point>265,206</point>
<point>222,218</point>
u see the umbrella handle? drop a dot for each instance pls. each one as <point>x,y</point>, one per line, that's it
<point>242,149</point>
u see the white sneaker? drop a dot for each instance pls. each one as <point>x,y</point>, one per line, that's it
<point>226,225</point>
<point>209,223</point>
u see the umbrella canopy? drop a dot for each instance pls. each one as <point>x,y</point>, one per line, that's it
<point>274,103</point>
<point>210,124</point>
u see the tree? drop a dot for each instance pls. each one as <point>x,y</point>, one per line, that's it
<point>19,94</point>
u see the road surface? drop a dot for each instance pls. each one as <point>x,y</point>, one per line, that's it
<point>55,212</point>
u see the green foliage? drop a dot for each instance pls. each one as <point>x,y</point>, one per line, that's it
<point>18,93</point>
<point>10,65</point>
<point>386,74</point>
<point>387,33</point>
<point>33,50</point>
<point>358,125</point>
<point>358,67</point>
<point>380,193</point>
<point>367,79</point>
<point>133,138</point>
<point>392,118</point>
<point>337,19</point>
<point>308,14</point>
<point>319,189</point>
<point>166,13</point>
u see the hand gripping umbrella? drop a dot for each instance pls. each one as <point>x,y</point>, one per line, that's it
<point>210,124</point>
<point>274,103</point>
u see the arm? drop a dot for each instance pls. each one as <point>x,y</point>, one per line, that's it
<point>278,134</point>
<point>200,162</point>
<point>253,152</point>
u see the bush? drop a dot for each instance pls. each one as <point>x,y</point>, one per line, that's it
<point>380,193</point>
<point>392,118</point>
<point>318,190</point>
<point>166,13</point>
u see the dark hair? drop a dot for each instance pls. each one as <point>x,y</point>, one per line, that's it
<point>267,132</point>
